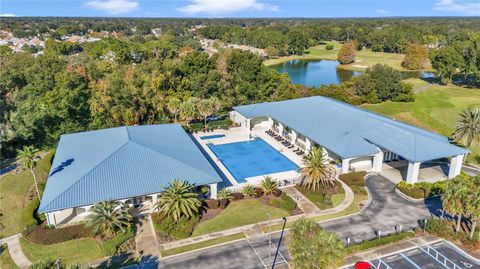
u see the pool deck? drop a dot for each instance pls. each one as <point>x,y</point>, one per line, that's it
<point>241,134</point>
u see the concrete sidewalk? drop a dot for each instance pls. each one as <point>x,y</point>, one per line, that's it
<point>15,250</point>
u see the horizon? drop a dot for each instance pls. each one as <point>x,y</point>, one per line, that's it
<point>232,9</point>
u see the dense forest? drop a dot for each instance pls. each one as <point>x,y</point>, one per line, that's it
<point>138,77</point>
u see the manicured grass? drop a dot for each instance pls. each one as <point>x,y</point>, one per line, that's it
<point>365,58</point>
<point>380,242</point>
<point>203,244</point>
<point>239,213</point>
<point>436,109</point>
<point>70,252</point>
<point>13,190</point>
<point>318,197</point>
<point>6,261</point>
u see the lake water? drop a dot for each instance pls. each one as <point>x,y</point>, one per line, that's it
<point>313,73</point>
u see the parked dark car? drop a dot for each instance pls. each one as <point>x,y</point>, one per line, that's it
<point>213,118</point>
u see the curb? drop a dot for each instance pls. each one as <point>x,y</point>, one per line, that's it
<point>411,199</point>
<point>198,249</point>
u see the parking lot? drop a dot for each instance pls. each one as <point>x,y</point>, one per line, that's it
<point>438,255</point>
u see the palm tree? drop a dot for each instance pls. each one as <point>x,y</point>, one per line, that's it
<point>467,130</point>
<point>28,156</point>
<point>173,106</point>
<point>188,110</point>
<point>205,108</point>
<point>453,201</point>
<point>311,247</point>
<point>178,200</point>
<point>108,217</point>
<point>472,203</point>
<point>269,185</point>
<point>316,171</point>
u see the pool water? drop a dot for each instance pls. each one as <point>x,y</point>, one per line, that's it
<point>251,158</point>
<point>205,137</point>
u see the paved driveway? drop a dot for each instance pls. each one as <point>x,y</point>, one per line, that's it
<point>386,210</point>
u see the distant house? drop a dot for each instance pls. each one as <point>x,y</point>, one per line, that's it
<point>357,138</point>
<point>130,164</point>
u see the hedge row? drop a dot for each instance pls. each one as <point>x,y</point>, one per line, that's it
<point>111,246</point>
<point>179,229</point>
<point>380,242</point>
<point>421,190</point>
<point>45,236</point>
<point>354,179</point>
<point>29,212</point>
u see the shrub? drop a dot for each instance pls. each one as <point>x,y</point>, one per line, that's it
<point>212,203</point>
<point>380,242</point>
<point>224,203</point>
<point>258,193</point>
<point>421,190</point>
<point>268,185</point>
<point>29,212</point>
<point>111,246</point>
<point>275,202</point>
<point>249,191</point>
<point>237,196</point>
<point>354,179</point>
<point>179,229</point>
<point>329,47</point>
<point>287,202</point>
<point>224,194</point>
<point>43,235</point>
<point>277,192</point>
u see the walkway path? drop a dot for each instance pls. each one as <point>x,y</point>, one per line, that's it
<point>15,250</point>
<point>251,230</point>
<point>146,239</point>
<point>386,210</point>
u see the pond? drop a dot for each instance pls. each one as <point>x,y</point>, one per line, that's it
<point>313,73</point>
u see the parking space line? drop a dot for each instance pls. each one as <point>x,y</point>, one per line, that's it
<point>410,261</point>
<point>380,263</point>
<point>446,261</point>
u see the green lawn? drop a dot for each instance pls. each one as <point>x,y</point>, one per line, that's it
<point>6,261</point>
<point>436,109</point>
<point>239,213</point>
<point>70,252</point>
<point>203,244</point>
<point>13,190</point>
<point>318,198</point>
<point>365,57</point>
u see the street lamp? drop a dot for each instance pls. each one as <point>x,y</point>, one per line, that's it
<point>279,242</point>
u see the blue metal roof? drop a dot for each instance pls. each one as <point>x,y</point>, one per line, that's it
<point>122,162</point>
<point>349,131</point>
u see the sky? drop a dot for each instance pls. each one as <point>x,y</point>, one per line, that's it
<point>239,8</point>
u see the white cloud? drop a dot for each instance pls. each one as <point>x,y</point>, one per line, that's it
<point>382,11</point>
<point>8,15</point>
<point>467,8</point>
<point>113,7</point>
<point>223,7</point>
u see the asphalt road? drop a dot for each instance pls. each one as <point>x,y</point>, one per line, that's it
<point>386,210</point>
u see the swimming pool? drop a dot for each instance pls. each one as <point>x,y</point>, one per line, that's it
<point>251,158</point>
<point>205,137</point>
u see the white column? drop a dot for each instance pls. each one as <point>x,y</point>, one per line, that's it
<point>154,198</point>
<point>270,123</point>
<point>455,166</point>
<point>280,128</point>
<point>51,218</point>
<point>377,162</point>
<point>294,136</point>
<point>213,191</point>
<point>247,124</point>
<point>325,155</point>
<point>412,173</point>
<point>308,144</point>
<point>345,166</point>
